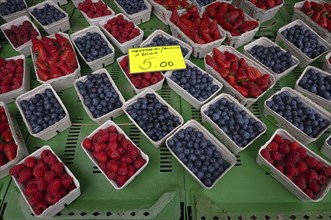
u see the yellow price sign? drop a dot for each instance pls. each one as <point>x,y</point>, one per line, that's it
<point>152,59</point>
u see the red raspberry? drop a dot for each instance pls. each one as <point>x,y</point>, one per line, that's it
<point>100,156</point>
<point>322,180</point>
<point>132,170</point>
<point>72,187</point>
<point>283,149</point>
<point>280,168</point>
<point>30,162</point>
<point>45,153</point>
<point>121,150</point>
<point>290,177</point>
<point>278,139</point>
<point>50,160</point>
<point>112,145</point>
<point>311,175</point>
<point>40,169</point>
<point>121,180</point>
<point>15,170</point>
<point>25,175</point>
<point>115,155</point>
<point>54,186</point>
<point>58,168</point>
<point>49,176</point>
<point>112,137</point>
<point>147,75</point>
<point>98,147</point>
<point>326,171</point>
<point>311,161</point>
<point>63,193</point>
<point>53,197</point>
<point>314,187</point>
<point>125,143</point>
<point>294,146</point>
<point>126,159</point>
<point>66,181</point>
<point>103,165</point>
<point>133,151</point>
<point>319,165</point>
<point>273,146</point>
<point>40,207</point>
<point>35,198</point>
<point>111,175</point>
<point>87,144</point>
<point>154,80</point>
<point>112,129</point>
<point>31,189</point>
<point>303,152</point>
<point>112,165</point>
<point>277,156</point>
<point>309,193</point>
<point>301,166</point>
<point>300,181</point>
<point>33,181</point>
<point>42,185</point>
<point>139,163</point>
<point>294,157</point>
<point>292,171</point>
<point>123,169</point>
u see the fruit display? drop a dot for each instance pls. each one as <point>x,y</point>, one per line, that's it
<point>11,74</point>
<point>54,57</point>
<point>141,80</point>
<point>94,9</point>
<point>200,155</point>
<point>116,155</point>
<point>48,14</point>
<point>197,83</point>
<point>122,29</point>
<point>8,147</point>
<point>173,5</point>
<point>247,80</point>
<point>318,12</point>
<point>42,110</point>
<point>230,18</point>
<point>21,34</point>
<point>266,4</point>
<point>91,53</point>
<point>153,117</point>
<point>317,83</point>
<point>200,29</point>
<point>10,7</point>
<point>133,6</point>
<point>294,161</point>
<point>309,44</point>
<point>98,94</point>
<point>298,113</point>
<point>43,180</point>
<point>236,123</point>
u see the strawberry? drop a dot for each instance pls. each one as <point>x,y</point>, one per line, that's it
<point>25,175</point>
<point>254,90</point>
<point>30,162</point>
<point>3,159</point>
<point>54,186</point>
<point>15,170</point>
<point>35,198</point>
<point>66,181</point>
<point>112,145</point>
<point>99,147</point>
<point>53,197</point>
<point>40,207</point>
<point>6,136</point>
<point>263,82</point>
<point>121,180</point>
<point>10,150</point>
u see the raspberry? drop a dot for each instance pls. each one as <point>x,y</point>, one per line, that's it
<point>72,187</point>
<point>301,166</point>
<point>278,139</point>
<point>283,149</point>
<point>45,153</point>
<point>290,177</point>
<point>49,176</point>
<point>277,156</point>
<point>273,146</point>
<point>125,143</point>
<point>311,175</point>
<point>133,151</point>
<point>319,165</point>
<point>311,161</point>
<point>100,156</point>
<point>112,145</point>
<point>35,198</point>
<point>280,168</point>
<point>322,180</point>
<point>111,175</point>
<point>126,159</point>
<point>294,146</point>
<point>314,187</point>
<point>40,169</point>
<point>132,170</point>
<point>292,171</point>
<point>300,181</point>
<point>15,170</point>
<point>121,180</point>
<point>66,181</point>
<point>87,144</point>
<point>53,197</point>
<point>115,155</point>
<point>265,154</point>
<point>98,147</point>
<point>40,208</point>
<point>31,189</point>
<point>58,168</point>
<point>50,160</point>
<point>31,182</point>
<point>25,175</point>
<point>326,171</point>
<point>121,150</point>
<point>63,193</point>
<point>42,185</point>
<point>309,193</point>
<point>123,169</point>
<point>54,186</point>
<point>102,138</point>
<point>103,166</point>
<point>303,152</point>
<point>294,157</point>
<point>139,163</point>
<point>120,137</point>
<point>112,165</point>
<point>30,162</point>
<point>112,137</point>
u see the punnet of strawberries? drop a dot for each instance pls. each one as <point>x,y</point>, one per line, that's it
<point>55,57</point>
<point>266,4</point>
<point>122,29</point>
<point>21,34</point>
<point>173,4</point>
<point>291,159</point>
<point>247,80</point>
<point>8,147</point>
<point>11,74</point>
<point>94,9</point>
<point>140,80</point>
<point>44,181</point>
<point>201,30</point>
<point>230,18</point>
<point>320,13</point>
<point>117,156</point>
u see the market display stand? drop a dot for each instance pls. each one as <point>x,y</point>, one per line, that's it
<point>164,190</point>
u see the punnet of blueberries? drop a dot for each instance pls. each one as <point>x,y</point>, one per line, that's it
<point>132,6</point>
<point>198,154</point>
<point>305,40</point>
<point>199,85</point>
<point>153,117</point>
<point>92,46</point>
<point>317,83</point>
<point>273,57</point>
<point>11,6</point>
<point>99,95</point>
<point>236,123</point>
<point>204,2</point>
<point>160,40</point>
<point>48,14</point>
<point>42,111</point>
<point>294,110</point>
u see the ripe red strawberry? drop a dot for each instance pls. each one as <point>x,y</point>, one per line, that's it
<point>40,207</point>
<point>31,189</point>
<point>53,197</point>
<point>41,183</point>
<point>277,156</point>
<point>301,166</point>
<point>273,146</point>
<point>30,162</point>
<point>139,163</point>
<point>87,144</point>
<point>300,181</point>
<point>311,161</point>
<point>123,169</point>
<point>265,154</point>
<point>121,180</point>
<point>35,198</point>
<point>40,169</point>
<point>278,139</point>
<point>309,193</point>
<point>54,186</point>
<point>58,168</point>
<point>314,187</point>
<point>294,157</point>
<point>15,170</point>
<point>49,176</point>
<point>112,165</point>
<point>132,170</point>
<point>111,175</point>
<point>10,150</point>
<point>66,181</point>
<point>100,156</point>
<point>25,175</point>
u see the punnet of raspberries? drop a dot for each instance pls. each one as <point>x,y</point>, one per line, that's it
<point>306,172</point>
<point>11,74</point>
<point>116,156</point>
<point>44,180</point>
<point>94,9</point>
<point>21,33</point>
